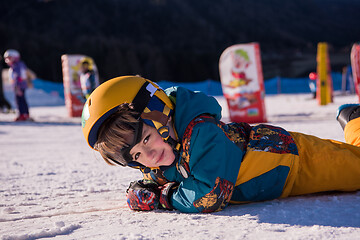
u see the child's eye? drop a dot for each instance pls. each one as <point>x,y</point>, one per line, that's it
<point>146,139</point>
<point>137,155</point>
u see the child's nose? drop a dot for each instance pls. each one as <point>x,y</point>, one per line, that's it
<point>149,152</point>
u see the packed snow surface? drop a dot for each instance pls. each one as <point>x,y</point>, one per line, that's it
<point>53,186</point>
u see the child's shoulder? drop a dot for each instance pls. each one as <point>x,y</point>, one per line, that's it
<point>190,104</point>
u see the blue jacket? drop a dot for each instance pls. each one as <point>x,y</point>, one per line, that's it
<point>17,73</point>
<point>208,169</point>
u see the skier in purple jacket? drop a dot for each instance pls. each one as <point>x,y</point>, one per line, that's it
<point>17,74</point>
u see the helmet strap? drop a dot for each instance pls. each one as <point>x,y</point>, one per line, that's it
<point>174,143</point>
<point>125,151</point>
<point>155,116</point>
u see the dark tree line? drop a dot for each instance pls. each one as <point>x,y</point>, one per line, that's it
<point>176,40</point>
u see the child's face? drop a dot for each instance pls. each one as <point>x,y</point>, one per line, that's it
<point>9,61</point>
<point>84,67</point>
<point>152,151</point>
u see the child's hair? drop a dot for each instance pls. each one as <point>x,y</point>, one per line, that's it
<point>116,133</point>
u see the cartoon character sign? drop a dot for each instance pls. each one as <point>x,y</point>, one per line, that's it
<point>74,97</point>
<point>241,62</point>
<point>242,82</point>
<point>355,64</point>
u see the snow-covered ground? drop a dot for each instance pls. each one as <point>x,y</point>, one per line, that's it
<point>53,186</point>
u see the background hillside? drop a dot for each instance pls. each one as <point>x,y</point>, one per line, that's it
<point>177,40</point>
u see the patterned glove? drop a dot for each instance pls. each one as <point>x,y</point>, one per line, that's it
<point>145,195</point>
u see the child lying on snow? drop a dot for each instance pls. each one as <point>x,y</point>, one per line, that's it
<point>193,162</point>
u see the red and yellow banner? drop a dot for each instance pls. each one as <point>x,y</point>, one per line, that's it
<point>74,98</point>
<point>242,82</point>
<point>355,65</point>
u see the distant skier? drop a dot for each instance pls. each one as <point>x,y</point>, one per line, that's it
<point>312,83</point>
<point>193,162</point>
<point>18,76</point>
<point>4,104</point>
<point>87,77</point>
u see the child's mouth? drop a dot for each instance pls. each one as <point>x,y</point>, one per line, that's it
<point>161,157</point>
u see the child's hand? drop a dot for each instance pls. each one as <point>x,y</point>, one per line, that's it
<point>144,196</point>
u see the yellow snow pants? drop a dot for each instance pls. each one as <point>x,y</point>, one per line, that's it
<point>328,165</point>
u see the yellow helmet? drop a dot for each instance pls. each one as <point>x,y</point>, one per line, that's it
<point>148,98</point>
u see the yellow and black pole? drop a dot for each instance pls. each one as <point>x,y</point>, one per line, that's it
<point>324,87</point>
